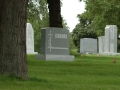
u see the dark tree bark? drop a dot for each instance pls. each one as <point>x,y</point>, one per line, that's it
<point>55,19</point>
<point>13,16</point>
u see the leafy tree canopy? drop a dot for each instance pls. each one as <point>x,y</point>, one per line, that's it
<point>98,14</point>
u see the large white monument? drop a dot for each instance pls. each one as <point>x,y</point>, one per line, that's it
<point>108,43</point>
<point>30,39</point>
<point>111,39</point>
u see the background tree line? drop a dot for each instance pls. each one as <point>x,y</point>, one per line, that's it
<point>98,14</point>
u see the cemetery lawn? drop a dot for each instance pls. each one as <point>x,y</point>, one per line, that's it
<point>85,73</point>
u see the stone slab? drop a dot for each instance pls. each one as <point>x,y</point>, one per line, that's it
<point>88,45</point>
<point>54,57</point>
<point>111,38</point>
<point>108,53</point>
<point>32,52</point>
<point>55,45</point>
<point>101,43</point>
<point>30,39</point>
<point>55,41</point>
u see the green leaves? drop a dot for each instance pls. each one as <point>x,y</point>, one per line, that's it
<point>103,12</point>
<point>38,16</point>
<point>98,14</point>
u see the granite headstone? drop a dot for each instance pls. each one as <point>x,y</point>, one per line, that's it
<point>55,45</point>
<point>88,45</point>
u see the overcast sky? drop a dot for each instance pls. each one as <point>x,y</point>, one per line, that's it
<point>69,11</point>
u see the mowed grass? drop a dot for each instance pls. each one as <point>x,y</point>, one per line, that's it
<point>84,73</point>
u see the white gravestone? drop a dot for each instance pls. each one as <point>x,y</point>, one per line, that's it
<point>30,39</point>
<point>88,45</point>
<point>111,39</point>
<point>101,44</point>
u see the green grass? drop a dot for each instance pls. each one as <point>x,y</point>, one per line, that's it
<point>85,73</point>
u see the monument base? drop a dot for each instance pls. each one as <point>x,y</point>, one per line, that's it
<point>109,53</point>
<point>32,52</point>
<point>54,57</point>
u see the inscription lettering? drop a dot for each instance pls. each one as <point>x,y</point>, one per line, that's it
<point>62,36</point>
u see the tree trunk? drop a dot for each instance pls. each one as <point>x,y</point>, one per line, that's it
<point>55,19</point>
<point>13,59</point>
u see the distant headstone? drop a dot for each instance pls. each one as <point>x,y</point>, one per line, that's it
<point>111,39</point>
<point>30,39</point>
<point>88,45</point>
<point>55,45</point>
<point>101,44</point>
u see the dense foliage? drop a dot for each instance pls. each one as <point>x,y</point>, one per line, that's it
<point>98,14</point>
<point>38,16</point>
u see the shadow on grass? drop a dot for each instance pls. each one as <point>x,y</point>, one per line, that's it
<point>35,79</point>
<point>15,78</point>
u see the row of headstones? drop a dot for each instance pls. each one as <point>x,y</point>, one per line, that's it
<point>55,44</point>
<point>106,44</point>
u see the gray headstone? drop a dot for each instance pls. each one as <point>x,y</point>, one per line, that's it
<point>101,44</point>
<point>111,38</point>
<point>30,39</point>
<point>55,44</point>
<point>88,45</point>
